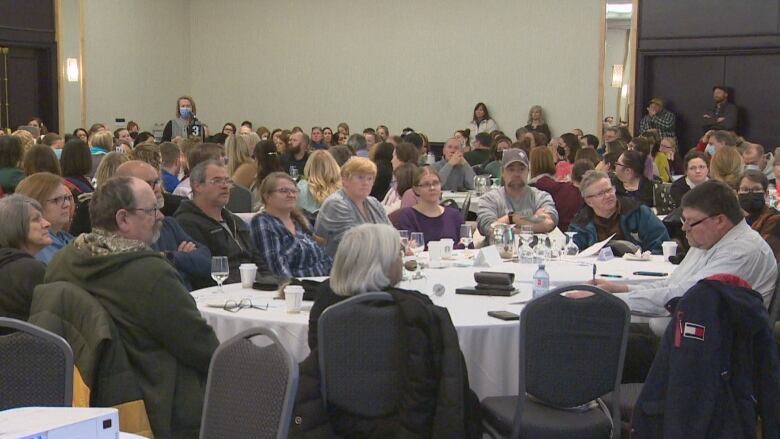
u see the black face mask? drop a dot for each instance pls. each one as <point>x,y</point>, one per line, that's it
<point>752,203</point>
<point>561,151</point>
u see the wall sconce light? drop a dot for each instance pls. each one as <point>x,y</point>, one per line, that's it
<point>72,69</point>
<point>617,75</point>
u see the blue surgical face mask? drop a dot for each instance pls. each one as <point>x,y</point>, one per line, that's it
<point>185,112</point>
<point>710,149</point>
<point>58,153</point>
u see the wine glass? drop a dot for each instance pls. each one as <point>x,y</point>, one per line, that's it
<point>466,238</point>
<point>571,248</point>
<point>219,271</point>
<point>417,244</point>
<point>526,253</point>
<point>404,235</point>
<point>294,173</point>
<point>540,249</point>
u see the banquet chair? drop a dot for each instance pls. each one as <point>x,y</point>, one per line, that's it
<point>36,366</point>
<point>774,304</point>
<point>240,200</point>
<point>571,355</point>
<point>464,210</point>
<point>251,388</point>
<point>359,355</point>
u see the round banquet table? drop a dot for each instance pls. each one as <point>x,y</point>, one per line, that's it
<point>490,346</point>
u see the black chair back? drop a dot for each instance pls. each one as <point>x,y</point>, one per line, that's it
<point>572,350</point>
<point>360,355</point>
<point>36,367</point>
<point>251,388</point>
<point>774,304</point>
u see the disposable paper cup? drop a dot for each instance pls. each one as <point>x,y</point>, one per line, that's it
<point>248,275</point>
<point>446,248</point>
<point>669,248</point>
<point>293,298</point>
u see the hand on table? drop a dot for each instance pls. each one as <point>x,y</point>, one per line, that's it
<point>608,286</point>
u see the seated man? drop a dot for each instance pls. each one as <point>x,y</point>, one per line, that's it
<point>206,220</point>
<point>516,203</point>
<point>168,343</point>
<point>606,213</point>
<point>721,242</point>
<point>193,260</point>
<point>753,194</point>
<point>455,172</point>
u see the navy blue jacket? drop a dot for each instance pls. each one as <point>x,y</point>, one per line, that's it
<point>716,371</point>
<point>638,223</point>
<point>196,263</point>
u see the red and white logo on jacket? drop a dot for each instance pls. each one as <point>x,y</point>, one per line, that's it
<point>692,330</point>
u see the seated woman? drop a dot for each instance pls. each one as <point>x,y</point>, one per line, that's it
<point>607,214</point>
<point>726,165</point>
<point>76,162</point>
<point>567,148</point>
<point>57,202</point>
<point>404,163</point>
<point>282,233</point>
<point>753,194</point>
<point>23,233</point>
<point>567,198</point>
<point>630,180</point>
<point>11,153</point>
<point>427,216</point>
<point>321,178</point>
<point>369,260</point>
<point>497,148</point>
<point>696,171</point>
<point>351,205</point>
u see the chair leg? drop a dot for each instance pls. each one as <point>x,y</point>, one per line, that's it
<point>490,432</point>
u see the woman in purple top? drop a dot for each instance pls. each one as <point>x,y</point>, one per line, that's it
<point>427,216</point>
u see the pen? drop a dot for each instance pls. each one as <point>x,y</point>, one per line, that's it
<point>594,274</point>
<point>614,276</point>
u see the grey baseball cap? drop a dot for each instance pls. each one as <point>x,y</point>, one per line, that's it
<point>512,155</point>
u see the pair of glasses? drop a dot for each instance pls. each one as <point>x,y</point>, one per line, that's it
<point>287,191</point>
<point>695,223</point>
<point>220,182</point>
<point>236,306</point>
<point>60,201</point>
<point>433,185</point>
<point>150,211</point>
<point>602,194</point>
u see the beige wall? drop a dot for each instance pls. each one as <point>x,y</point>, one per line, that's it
<point>419,63</point>
<point>616,48</point>
<point>136,59</point>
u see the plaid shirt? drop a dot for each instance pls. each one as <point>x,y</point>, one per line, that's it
<point>286,254</point>
<point>663,121</point>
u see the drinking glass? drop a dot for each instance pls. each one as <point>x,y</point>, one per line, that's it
<point>540,249</point>
<point>294,172</point>
<point>219,271</point>
<point>417,244</point>
<point>404,235</point>
<point>571,248</point>
<point>466,238</point>
<point>526,253</point>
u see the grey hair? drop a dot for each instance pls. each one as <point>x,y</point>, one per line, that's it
<point>589,178</point>
<point>357,142</point>
<point>531,111</point>
<point>15,218</point>
<point>364,259</point>
<point>198,173</point>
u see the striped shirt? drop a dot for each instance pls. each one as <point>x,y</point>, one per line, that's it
<point>286,254</point>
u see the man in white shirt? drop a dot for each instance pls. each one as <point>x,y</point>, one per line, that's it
<point>721,242</point>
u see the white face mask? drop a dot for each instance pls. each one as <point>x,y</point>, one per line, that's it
<point>753,167</point>
<point>710,149</point>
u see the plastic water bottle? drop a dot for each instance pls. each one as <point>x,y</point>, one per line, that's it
<point>541,282</point>
<point>772,196</point>
<point>430,159</point>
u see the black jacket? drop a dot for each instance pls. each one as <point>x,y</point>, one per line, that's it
<point>446,409</point>
<point>644,194</point>
<point>20,273</point>
<point>716,371</point>
<point>679,188</point>
<point>236,245</point>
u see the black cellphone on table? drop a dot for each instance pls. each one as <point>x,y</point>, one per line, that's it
<point>504,315</point>
<point>650,273</point>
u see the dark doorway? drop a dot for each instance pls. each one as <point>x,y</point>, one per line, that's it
<point>30,88</point>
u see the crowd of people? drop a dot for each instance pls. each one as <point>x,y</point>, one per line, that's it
<point>135,220</point>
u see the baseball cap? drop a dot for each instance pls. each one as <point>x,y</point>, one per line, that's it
<point>512,155</point>
<point>657,101</point>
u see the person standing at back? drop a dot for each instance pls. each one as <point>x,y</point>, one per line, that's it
<point>481,121</point>
<point>185,124</point>
<point>723,115</point>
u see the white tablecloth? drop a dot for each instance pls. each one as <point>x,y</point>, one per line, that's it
<point>490,346</point>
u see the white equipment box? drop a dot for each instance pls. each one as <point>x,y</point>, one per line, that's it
<point>59,423</point>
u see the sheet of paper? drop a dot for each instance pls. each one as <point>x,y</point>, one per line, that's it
<point>594,249</point>
<point>487,257</point>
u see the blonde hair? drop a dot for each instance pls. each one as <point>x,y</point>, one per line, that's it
<point>103,139</point>
<point>323,175</point>
<point>270,183</point>
<point>39,186</point>
<point>358,165</point>
<point>27,139</point>
<point>107,167</point>
<point>726,166</point>
<point>239,149</point>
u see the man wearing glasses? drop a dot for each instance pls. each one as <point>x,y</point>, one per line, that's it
<point>606,214</point>
<point>168,343</point>
<point>721,242</point>
<point>207,221</point>
<point>191,259</point>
